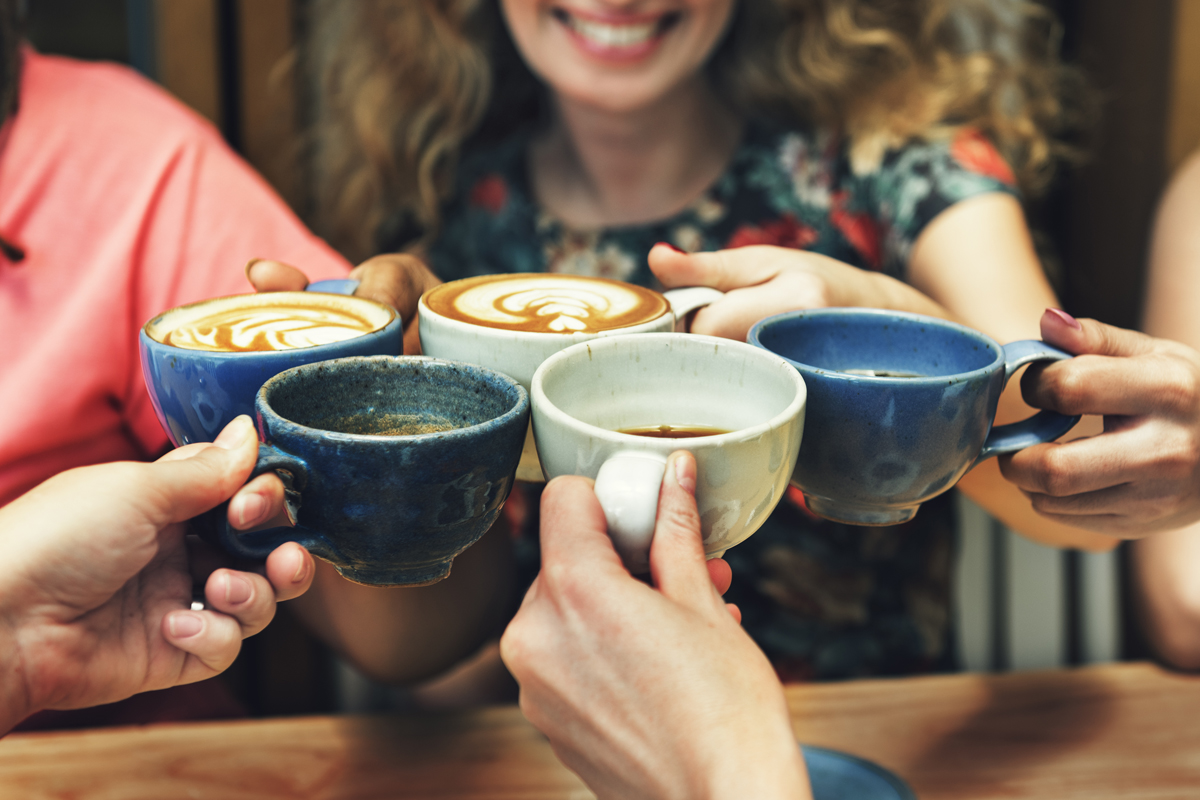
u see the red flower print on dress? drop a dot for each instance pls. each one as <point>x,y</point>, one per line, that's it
<point>861,231</point>
<point>976,152</point>
<point>786,231</point>
<point>490,193</point>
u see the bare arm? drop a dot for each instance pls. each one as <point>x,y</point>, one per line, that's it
<point>977,260</point>
<point>407,635</point>
<point>1167,566</point>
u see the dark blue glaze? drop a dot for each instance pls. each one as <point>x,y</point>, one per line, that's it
<point>196,393</point>
<point>874,448</point>
<point>387,509</point>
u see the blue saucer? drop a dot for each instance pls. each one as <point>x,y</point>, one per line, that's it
<point>841,776</point>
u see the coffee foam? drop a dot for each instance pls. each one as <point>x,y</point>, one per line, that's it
<point>265,322</point>
<point>546,303</point>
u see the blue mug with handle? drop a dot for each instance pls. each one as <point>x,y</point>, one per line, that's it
<point>197,392</point>
<point>900,406</point>
<point>392,466</point>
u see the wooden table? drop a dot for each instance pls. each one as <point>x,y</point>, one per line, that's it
<point>1124,731</point>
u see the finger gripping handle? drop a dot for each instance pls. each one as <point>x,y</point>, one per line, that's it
<point>627,487</point>
<point>1044,426</point>
<point>257,545</point>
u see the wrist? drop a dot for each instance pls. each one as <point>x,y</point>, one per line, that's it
<point>768,765</point>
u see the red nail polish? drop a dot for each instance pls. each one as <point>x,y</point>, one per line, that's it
<point>1065,317</point>
<point>673,247</point>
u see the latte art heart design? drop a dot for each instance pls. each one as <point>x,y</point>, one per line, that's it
<point>568,310</point>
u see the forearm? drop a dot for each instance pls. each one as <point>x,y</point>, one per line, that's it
<point>406,635</point>
<point>772,770</point>
<point>1168,594</point>
<point>882,291</point>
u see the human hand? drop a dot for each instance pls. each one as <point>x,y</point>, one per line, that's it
<point>394,279</point>
<point>96,590</point>
<point>1143,473</point>
<point>647,692</point>
<point>762,280</point>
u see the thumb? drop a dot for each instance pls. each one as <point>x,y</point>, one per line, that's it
<point>1089,337</point>
<point>181,487</point>
<point>677,563</point>
<point>721,269</point>
<point>266,275</point>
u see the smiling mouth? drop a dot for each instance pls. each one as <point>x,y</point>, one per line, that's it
<point>625,36</point>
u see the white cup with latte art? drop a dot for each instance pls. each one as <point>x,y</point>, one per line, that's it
<point>512,323</point>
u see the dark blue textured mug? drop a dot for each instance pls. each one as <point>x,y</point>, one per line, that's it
<point>900,406</point>
<point>197,392</point>
<point>393,466</point>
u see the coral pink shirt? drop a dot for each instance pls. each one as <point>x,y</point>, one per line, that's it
<point>127,203</point>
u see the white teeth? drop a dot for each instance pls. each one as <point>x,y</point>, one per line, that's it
<point>612,35</point>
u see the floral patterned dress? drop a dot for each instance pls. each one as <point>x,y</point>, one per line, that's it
<point>824,600</point>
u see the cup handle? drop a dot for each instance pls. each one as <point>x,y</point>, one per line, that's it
<point>690,298</point>
<point>1044,426</point>
<point>627,487</point>
<point>334,286</point>
<point>257,545</point>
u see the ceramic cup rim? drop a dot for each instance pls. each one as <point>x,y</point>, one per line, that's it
<point>992,345</point>
<point>425,312</point>
<point>146,336</point>
<point>549,409</point>
<point>519,405</point>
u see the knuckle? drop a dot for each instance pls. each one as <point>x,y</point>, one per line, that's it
<point>1052,475</point>
<point>1063,389</point>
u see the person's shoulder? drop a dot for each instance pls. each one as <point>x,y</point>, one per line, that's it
<point>105,101</point>
<point>964,152</point>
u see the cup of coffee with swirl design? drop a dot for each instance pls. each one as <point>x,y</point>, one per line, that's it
<point>204,363</point>
<point>512,323</point>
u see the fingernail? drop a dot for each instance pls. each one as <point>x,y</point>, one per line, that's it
<point>250,509</point>
<point>235,433</point>
<point>183,626</point>
<point>301,571</point>
<point>237,589</point>
<point>250,264</point>
<point>1065,317</point>
<point>684,475</point>
<point>671,246</point>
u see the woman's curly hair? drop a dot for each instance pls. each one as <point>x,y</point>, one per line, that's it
<point>405,85</point>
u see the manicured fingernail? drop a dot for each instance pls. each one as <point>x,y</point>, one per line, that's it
<point>250,509</point>
<point>250,264</point>
<point>185,625</point>
<point>235,433</point>
<point>237,589</point>
<point>673,247</point>
<point>1065,317</point>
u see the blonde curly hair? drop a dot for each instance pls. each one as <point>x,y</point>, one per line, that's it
<point>406,85</point>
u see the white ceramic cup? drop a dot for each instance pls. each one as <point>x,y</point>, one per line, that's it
<point>518,354</point>
<point>585,395</point>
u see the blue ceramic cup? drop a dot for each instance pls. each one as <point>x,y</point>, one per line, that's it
<point>900,406</point>
<point>393,466</point>
<point>197,392</point>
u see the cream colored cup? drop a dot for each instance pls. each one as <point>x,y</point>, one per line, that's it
<point>518,354</point>
<point>586,395</point>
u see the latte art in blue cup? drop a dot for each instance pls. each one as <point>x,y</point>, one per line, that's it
<point>204,362</point>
